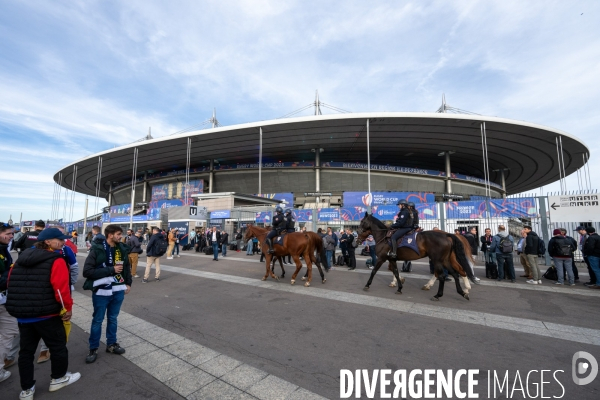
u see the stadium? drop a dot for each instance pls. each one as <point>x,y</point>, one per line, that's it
<point>330,161</point>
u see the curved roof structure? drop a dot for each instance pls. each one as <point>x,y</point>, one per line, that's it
<point>527,151</point>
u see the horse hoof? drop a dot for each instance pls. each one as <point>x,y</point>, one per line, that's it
<point>435,299</point>
<point>425,288</point>
<point>466,296</point>
<point>392,285</point>
<point>303,278</point>
<point>282,276</point>
<point>402,280</point>
<point>398,292</point>
<point>263,279</point>
<point>307,284</point>
<point>366,288</point>
<point>293,281</point>
<point>324,280</point>
<point>276,277</point>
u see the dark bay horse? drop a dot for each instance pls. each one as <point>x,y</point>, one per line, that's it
<point>295,244</point>
<point>445,251</point>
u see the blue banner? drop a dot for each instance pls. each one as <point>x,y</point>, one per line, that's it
<point>427,210</point>
<point>105,217</point>
<point>121,209</point>
<point>286,198</point>
<point>328,214</point>
<point>155,206</point>
<point>465,209</point>
<point>303,215</point>
<point>514,208</point>
<point>363,199</point>
<point>220,214</point>
<point>182,232</point>
<point>263,217</point>
<point>136,218</point>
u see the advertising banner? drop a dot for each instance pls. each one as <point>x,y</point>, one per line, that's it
<point>220,214</point>
<point>328,214</point>
<point>363,199</point>
<point>286,198</point>
<point>136,218</point>
<point>154,207</point>
<point>121,209</point>
<point>105,217</point>
<point>182,234</point>
<point>303,215</point>
<point>465,209</point>
<point>263,217</point>
<point>177,190</point>
<point>524,207</point>
<point>427,210</point>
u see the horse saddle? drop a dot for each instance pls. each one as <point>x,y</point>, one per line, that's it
<point>278,240</point>
<point>409,240</point>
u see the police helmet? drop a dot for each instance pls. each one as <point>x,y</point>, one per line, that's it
<point>402,202</point>
<point>411,204</point>
<point>279,210</point>
<point>288,211</point>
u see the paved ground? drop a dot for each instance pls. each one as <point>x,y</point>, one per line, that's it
<point>215,330</point>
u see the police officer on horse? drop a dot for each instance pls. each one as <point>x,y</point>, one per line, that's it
<point>403,224</point>
<point>290,221</point>
<point>415,214</point>
<point>279,225</point>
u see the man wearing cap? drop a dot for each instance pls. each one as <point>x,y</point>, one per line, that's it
<point>8,324</point>
<point>38,289</point>
<point>583,237</point>
<point>591,248</point>
<point>29,239</point>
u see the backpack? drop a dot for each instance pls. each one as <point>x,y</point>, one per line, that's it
<point>506,246</point>
<point>541,247</point>
<point>355,242</point>
<point>562,247</point>
<point>551,274</point>
<point>340,260</point>
<point>161,247</point>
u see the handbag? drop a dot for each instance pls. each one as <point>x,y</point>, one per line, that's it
<point>551,274</point>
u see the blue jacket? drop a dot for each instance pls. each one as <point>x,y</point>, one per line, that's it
<point>495,246</point>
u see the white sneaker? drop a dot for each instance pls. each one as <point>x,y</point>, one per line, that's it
<point>540,282</point>
<point>531,281</point>
<point>178,256</point>
<point>27,394</point>
<point>4,374</point>
<point>169,258</point>
<point>66,380</point>
<point>557,283</point>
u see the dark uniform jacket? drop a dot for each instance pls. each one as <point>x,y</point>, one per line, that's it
<point>279,222</point>
<point>403,220</point>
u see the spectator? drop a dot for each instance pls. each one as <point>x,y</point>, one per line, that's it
<point>249,247</point>
<point>457,232</point>
<point>344,246</point>
<point>108,274</point>
<point>591,249</point>
<point>336,237</point>
<point>224,243</point>
<point>8,324</point>
<point>178,237</point>
<point>582,238</point>
<point>238,240</point>
<point>471,237</point>
<point>153,254</point>
<point>563,231</point>
<point>215,240</point>
<point>255,247</point>
<point>531,252</point>
<point>172,239</point>
<point>29,239</point>
<point>303,229</point>
<point>96,230</point>
<point>38,287</point>
<point>561,250</point>
<point>371,244</point>
<point>351,250</point>
<point>134,252</point>
<point>523,257</point>
<point>74,237</point>
<point>503,245</point>
<point>329,244</point>
<point>88,240</point>
<point>486,241</point>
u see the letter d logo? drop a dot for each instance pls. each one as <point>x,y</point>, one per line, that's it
<point>582,368</point>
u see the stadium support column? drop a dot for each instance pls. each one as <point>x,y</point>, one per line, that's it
<point>317,169</point>
<point>110,194</point>
<point>260,163</point>
<point>145,187</point>
<point>211,174</point>
<point>448,173</point>
<point>503,183</point>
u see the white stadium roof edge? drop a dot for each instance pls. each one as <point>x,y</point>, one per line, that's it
<point>526,151</point>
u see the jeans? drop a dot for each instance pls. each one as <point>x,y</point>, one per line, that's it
<point>506,258</point>
<point>52,331</point>
<point>561,265</point>
<point>373,255</point>
<point>595,266</point>
<point>215,247</point>
<point>176,248</point>
<point>328,255</point>
<point>109,305</point>
<point>590,270</point>
<point>223,250</point>
<point>249,249</point>
<point>490,257</point>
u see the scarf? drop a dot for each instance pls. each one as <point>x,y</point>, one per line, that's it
<point>108,285</point>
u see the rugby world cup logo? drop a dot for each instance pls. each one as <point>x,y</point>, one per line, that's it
<point>580,367</point>
<point>367,199</point>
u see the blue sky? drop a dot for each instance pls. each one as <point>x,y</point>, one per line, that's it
<point>79,77</point>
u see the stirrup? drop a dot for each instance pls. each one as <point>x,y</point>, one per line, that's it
<point>392,254</point>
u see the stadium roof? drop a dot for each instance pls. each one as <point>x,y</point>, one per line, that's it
<point>527,151</point>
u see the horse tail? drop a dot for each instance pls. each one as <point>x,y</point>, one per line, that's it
<point>458,250</point>
<point>318,243</point>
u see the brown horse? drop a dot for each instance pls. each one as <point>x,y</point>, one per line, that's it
<point>445,251</point>
<point>295,244</point>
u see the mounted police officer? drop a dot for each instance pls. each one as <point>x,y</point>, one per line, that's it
<point>279,225</point>
<point>290,221</point>
<point>415,214</point>
<point>403,224</point>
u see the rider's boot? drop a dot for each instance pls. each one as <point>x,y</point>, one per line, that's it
<point>270,244</point>
<point>392,253</point>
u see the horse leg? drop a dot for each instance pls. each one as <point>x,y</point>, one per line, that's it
<point>268,258</point>
<point>397,277</point>
<point>315,261</point>
<point>380,261</point>
<point>268,264</point>
<point>394,282</point>
<point>282,269</point>
<point>458,287</point>
<point>309,270</point>
<point>430,283</point>
<point>298,267</point>
<point>440,292</point>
